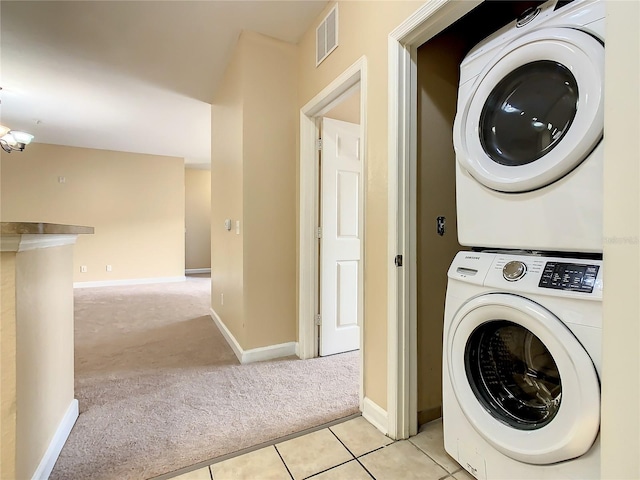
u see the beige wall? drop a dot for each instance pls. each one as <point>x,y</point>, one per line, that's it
<point>348,110</point>
<point>621,329</point>
<point>197,218</point>
<point>363,30</point>
<point>270,120</point>
<point>8,365</point>
<point>253,181</point>
<point>134,201</point>
<point>226,198</point>
<point>45,387</point>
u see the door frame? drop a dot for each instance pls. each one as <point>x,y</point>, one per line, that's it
<point>309,175</point>
<point>402,392</point>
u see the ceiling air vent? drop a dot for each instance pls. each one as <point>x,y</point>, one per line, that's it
<point>327,36</point>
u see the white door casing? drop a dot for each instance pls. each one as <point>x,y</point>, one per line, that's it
<point>429,20</point>
<point>340,243</point>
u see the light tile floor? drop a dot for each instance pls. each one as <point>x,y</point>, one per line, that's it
<point>353,450</point>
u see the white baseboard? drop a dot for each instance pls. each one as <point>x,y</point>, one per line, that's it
<point>269,352</point>
<point>129,281</point>
<point>228,336</point>
<point>190,271</point>
<point>375,415</point>
<point>59,439</point>
<point>255,354</point>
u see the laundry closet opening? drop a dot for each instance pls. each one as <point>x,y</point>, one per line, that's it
<point>438,62</point>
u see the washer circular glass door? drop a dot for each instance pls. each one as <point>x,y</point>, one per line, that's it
<point>513,374</point>
<point>535,113</point>
<point>522,379</point>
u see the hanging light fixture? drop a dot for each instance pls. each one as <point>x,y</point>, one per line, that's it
<point>13,140</point>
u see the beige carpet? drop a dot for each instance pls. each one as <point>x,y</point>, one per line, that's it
<point>160,389</point>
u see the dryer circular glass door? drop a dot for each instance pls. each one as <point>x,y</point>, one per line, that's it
<point>535,113</point>
<point>522,379</point>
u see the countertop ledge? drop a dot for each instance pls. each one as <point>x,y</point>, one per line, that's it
<point>33,228</point>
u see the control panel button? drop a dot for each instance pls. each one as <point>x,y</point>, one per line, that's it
<point>514,270</point>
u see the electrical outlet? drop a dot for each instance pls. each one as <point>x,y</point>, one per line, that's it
<point>108,268</point>
<point>62,179</point>
<point>83,269</point>
<point>222,299</point>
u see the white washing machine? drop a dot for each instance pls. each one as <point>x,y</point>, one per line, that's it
<point>521,364</point>
<point>528,132</point>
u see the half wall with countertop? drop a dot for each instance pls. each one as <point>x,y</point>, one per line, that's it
<point>38,408</point>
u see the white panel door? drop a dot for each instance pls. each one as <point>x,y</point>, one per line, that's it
<point>341,222</point>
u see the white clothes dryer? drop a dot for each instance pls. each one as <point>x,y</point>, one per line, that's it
<point>528,132</point>
<point>521,365</point>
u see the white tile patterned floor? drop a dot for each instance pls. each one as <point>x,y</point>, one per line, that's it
<point>353,450</point>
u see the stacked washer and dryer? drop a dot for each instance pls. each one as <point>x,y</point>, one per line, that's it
<point>523,312</point>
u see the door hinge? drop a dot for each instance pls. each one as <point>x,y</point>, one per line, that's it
<point>398,260</point>
<point>319,232</point>
<point>319,144</point>
<point>318,319</point>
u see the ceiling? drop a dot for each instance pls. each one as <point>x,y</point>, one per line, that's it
<point>133,76</point>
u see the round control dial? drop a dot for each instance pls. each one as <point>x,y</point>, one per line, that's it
<point>514,270</point>
<point>528,15</point>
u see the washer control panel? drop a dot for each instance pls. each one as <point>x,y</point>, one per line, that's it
<point>577,277</point>
<point>526,272</point>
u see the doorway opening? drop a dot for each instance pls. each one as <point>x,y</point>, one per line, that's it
<point>197,221</point>
<point>425,55</point>
<point>336,100</point>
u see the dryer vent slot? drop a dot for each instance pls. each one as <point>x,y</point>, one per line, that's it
<point>466,271</point>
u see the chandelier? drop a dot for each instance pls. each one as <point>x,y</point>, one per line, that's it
<point>13,140</point>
